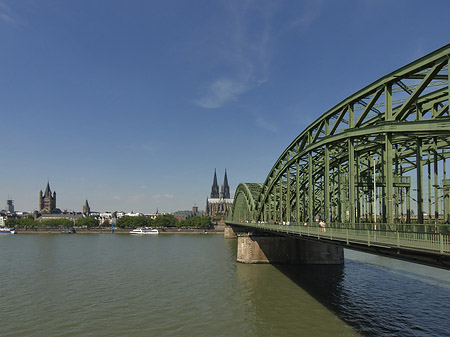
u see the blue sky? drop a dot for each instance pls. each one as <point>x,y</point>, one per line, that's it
<point>133,104</point>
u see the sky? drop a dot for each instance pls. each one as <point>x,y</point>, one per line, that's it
<point>133,104</point>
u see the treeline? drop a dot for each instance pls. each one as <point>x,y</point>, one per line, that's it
<point>51,223</point>
<point>196,222</point>
<point>167,220</point>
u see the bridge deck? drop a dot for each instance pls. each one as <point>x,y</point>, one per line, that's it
<point>429,248</point>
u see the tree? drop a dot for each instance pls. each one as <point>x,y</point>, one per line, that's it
<point>197,222</point>
<point>22,222</point>
<point>87,222</point>
<point>134,221</point>
<point>167,220</point>
<point>56,223</point>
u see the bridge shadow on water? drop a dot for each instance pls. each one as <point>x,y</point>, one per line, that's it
<point>327,285</point>
<point>377,300</point>
<point>323,282</point>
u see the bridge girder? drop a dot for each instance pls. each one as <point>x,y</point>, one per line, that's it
<point>399,124</point>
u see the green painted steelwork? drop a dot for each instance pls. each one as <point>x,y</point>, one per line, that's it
<point>420,238</point>
<point>400,122</point>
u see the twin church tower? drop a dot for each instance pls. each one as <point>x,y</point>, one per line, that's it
<point>219,203</point>
<point>224,190</point>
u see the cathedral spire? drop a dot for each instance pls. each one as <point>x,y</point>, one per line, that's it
<point>86,208</point>
<point>215,187</point>
<point>226,188</point>
<point>48,191</point>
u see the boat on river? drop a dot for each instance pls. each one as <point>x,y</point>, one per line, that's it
<point>144,231</point>
<point>7,230</point>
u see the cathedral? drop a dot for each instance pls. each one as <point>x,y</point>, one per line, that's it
<point>47,201</point>
<point>219,203</point>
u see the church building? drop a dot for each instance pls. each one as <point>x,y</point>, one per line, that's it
<point>86,208</point>
<point>219,203</point>
<point>47,201</point>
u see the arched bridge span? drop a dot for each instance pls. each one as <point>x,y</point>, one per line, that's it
<point>379,156</point>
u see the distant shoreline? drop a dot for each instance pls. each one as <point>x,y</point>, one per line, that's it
<point>118,231</point>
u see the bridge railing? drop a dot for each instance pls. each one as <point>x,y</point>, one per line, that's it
<point>402,236</point>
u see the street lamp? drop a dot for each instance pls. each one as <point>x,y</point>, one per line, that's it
<point>374,195</point>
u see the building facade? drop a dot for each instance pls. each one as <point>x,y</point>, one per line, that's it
<point>218,204</point>
<point>10,206</point>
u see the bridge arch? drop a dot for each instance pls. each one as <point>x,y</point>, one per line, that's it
<point>395,129</point>
<point>244,205</point>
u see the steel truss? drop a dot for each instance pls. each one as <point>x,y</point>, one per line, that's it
<point>400,124</point>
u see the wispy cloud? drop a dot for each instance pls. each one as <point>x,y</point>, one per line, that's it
<point>220,92</point>
<point>310,12</point>
<point>244,53</point>
<point>262,123</point>
<point>6,18</point>
<point>244,48</point>
<point>116,197</point>
<point>159,196</point>
<point>7,15</point>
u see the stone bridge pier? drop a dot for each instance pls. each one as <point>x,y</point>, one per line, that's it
<point>259,247</point>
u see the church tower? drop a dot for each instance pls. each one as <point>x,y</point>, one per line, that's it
<point>47,201</point>
<point>225,190</point>
<point>215,187</point>
<point>86,208</point>
<point>218,204</point>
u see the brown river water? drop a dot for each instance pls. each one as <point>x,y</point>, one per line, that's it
<point>191,285</point>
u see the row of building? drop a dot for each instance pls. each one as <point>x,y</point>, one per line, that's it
<point>217,204</point>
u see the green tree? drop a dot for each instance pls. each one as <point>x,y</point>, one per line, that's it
<point>22,222</point>
<point>167,220</point>
<point>134,222</point>
<point>197,222</point>
<point>57,223</point>
<point>87,222</point>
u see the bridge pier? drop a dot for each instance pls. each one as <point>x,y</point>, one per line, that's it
<point>229,233</point>
<point>284,250</point>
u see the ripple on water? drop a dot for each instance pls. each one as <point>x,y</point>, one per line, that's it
<point>190,285</point>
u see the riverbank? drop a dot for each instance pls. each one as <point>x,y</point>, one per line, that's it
<point>116,231</point>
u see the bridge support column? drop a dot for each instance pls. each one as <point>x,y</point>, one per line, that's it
<point>284,250</point>
<point>229,233</point>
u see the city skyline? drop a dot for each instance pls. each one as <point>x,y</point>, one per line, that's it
<point>48,194</point>
<point>133,105</point>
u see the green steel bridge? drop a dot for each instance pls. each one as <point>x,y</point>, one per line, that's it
<point>372,168</point>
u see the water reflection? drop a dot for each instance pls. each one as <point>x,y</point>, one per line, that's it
<point>180,285</point>
<point>284,306</point>
<point>379,296</point>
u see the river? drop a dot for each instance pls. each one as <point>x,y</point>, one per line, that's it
<point>191,285</point>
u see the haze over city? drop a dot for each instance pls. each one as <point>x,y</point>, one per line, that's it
<point>132,105</point>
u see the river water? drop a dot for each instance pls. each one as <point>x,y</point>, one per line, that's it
<point>191,285</point>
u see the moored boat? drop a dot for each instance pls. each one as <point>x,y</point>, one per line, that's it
<point>143,231</point>
<point>7,230</point>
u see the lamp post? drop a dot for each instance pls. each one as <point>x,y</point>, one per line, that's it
<point>374,196</point>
